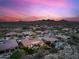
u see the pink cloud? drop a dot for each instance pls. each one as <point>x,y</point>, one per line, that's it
<point>34,12</point>
<point>48,3</point>
<point>14,15</point>
<point>11,12</point>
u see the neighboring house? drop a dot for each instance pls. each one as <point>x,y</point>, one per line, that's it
<point>32,42</point>
<point>59,44</point>
<point>8,45</point>
<point>28,32</point>
<point>51,39</point>
<point>66,29</point>
<point>11,35</point>
<point>62,36</point>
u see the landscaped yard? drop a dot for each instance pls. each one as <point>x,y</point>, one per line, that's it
<point>16,55</point>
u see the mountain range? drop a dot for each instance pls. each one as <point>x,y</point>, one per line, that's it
<point>39,22</point>
<point>31,18</point>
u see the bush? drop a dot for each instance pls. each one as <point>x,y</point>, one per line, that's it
<point>45,47</point>
<point>75,39</point>
<point>16,55</point>
<point>29,50</point>
<point>53,50</point>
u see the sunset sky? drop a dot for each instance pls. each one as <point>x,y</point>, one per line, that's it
<point>28,10</point>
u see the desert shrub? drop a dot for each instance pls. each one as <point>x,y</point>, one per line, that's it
<point>29,50</point>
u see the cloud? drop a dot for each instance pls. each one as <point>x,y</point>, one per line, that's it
<point>48,3</point>
<point>10,12</point>
<point>7,14</point>
<point>33,9</point>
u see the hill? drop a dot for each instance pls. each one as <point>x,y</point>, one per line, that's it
<point>39,22</point>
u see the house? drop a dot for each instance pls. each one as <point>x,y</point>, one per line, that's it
<point>59,44</point>
<point>32,42</point>
<point>8,45</point>
<point>63,36</point>
<point>28,32</point>
<point>66,29</point>
<point>11,35</point>
<point>51,39</point>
